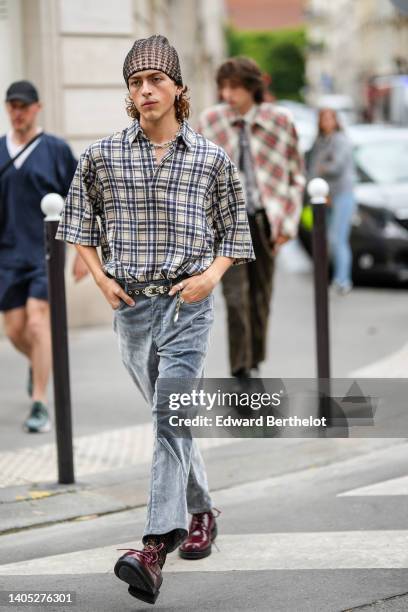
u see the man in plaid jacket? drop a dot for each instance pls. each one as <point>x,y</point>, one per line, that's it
<point>261,140</point>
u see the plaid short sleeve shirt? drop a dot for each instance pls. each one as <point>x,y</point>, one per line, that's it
<point>277,160</point>
<point>156,221</point>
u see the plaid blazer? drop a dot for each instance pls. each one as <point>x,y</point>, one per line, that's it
<point>276,156</point>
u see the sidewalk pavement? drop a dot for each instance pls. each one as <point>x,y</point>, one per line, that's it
<point>228,464</point>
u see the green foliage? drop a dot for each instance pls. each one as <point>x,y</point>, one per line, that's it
<point>278,53</point>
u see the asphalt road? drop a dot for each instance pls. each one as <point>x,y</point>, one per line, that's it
<point>304,540</point>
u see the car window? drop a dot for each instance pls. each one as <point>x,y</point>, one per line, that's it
<point>382,161</point>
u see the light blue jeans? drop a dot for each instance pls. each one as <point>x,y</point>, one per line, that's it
<point>341,214</point>
<point>153,346</point>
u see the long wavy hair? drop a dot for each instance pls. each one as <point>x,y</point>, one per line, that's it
<point>181,104</point>
<point>337,128</point>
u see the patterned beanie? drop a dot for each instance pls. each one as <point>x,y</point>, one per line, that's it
<point>154,53</point>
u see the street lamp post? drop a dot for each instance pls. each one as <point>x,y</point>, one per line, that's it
<point>52,205</point>
<point>318,190</point>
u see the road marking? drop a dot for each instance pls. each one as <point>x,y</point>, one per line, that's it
<point>394,486</point>
<point>391,366</point>
<point>247,552</point>
<point>96,453</point>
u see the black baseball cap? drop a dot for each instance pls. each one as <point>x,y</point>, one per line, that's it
<point>24,91</point>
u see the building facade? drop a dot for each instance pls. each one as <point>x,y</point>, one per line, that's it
<point>74,51</point>
<point>351,44</point>
<point>265,14</point>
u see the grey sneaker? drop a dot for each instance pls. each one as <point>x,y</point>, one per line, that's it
<point>38,421</point>
<point>341,289</point>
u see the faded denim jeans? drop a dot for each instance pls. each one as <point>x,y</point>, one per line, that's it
<point>340,219</point>
<point>153,346</point>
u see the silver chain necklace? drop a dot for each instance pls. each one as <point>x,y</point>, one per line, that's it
<point>164,145</point>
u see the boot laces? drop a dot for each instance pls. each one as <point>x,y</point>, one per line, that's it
<point>150,553</point>
<point>197,521</point>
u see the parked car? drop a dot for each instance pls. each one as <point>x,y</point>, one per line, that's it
<point>379,236</point>
<point>305,119</point>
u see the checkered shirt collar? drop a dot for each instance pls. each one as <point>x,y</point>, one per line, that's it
<point>252,117</point>
<point>185,133</point>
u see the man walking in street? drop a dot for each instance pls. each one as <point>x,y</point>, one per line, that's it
<point>32,164</point>
<point>262,141</point>
<point>171,221</point>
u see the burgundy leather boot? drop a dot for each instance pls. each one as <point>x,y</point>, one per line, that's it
<point>202,531</point>
<point>141,569</point>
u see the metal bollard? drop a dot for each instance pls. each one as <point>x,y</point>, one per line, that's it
<point>318,190</point>
<point>52,205</point>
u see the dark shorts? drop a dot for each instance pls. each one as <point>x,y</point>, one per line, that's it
<point>19,284</point>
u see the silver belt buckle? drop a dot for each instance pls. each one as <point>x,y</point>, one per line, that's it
<point>149,290</point>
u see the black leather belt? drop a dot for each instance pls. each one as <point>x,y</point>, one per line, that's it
<point>150,289</point>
